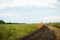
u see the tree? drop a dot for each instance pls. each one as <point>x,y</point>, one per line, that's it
<point>2,22</point>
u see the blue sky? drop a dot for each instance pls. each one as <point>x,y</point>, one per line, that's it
<point>30,11</point>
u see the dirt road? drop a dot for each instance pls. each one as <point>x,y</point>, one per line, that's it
<point>43,33</point>
<point>56,31</point>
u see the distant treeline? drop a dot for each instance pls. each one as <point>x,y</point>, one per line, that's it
<point>3,22</point>
<point>15,23</point>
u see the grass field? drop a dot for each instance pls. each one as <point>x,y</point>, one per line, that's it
<point>16,31</point>
<point>56,24</point>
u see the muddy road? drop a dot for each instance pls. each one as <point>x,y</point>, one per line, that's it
<point>44,33</point>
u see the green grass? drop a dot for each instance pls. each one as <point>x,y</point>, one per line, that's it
<point>15,31</point>
<point>57,24</point>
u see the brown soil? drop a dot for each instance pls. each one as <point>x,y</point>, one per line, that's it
<point>56,31</point>
<point>43,33</point>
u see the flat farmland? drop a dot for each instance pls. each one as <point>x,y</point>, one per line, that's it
<point>17,31</point>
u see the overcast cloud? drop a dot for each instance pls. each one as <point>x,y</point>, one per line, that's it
<point>30,11</point>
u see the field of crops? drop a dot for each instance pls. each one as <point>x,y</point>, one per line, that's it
<point>15,31</point>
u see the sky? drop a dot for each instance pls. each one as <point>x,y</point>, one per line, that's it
<point>30,11</point>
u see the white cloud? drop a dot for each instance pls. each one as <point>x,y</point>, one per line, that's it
<point>51,18</point>
<point>8,14</point>
<point>29,3</point>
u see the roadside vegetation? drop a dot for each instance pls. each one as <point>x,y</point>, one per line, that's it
<point>56,24</point>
